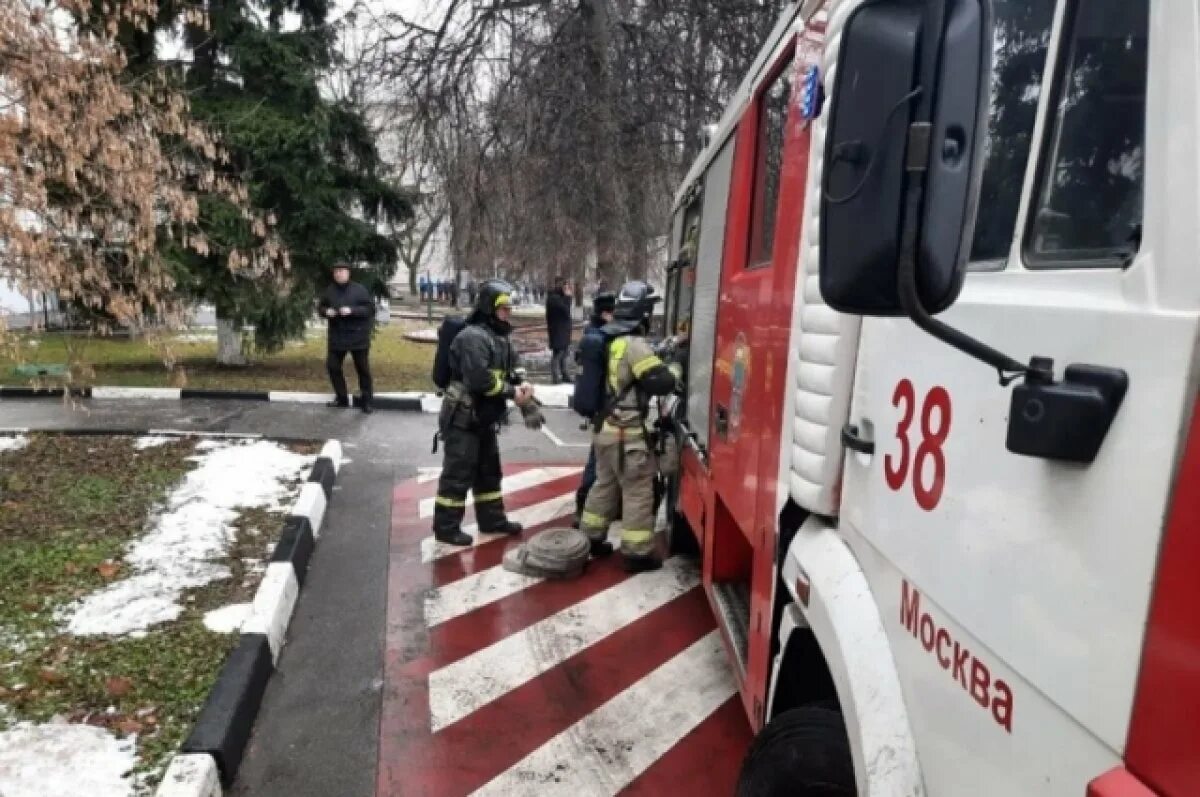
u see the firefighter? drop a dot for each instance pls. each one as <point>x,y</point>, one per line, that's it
<point>482,367</point>
<point>625,466</point>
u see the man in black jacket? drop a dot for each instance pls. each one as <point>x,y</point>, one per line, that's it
<point>603,305</point>
<point>351,313</point>
<point>558,325</point>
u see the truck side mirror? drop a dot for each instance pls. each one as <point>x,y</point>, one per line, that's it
<point>904,155</point>
<point>903,165</point>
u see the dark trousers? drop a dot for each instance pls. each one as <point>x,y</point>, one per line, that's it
<point>585,484</point>
<point>362,367</point>
<point>470,463</point>
<point>559,366</point>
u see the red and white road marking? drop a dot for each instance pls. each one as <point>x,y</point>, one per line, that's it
<point>501,684</point>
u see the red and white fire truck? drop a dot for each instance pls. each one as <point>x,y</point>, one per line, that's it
<point>951,528</point>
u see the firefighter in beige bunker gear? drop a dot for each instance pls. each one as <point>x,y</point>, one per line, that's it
<point>482,365</point>
<point>625,459</point>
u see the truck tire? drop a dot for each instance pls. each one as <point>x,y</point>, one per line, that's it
<point>803,752</point>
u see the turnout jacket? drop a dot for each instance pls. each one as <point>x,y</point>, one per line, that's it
<point>481,359</point>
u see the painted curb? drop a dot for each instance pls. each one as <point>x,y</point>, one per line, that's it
<point>191,775</point>
<point>129,432</point>
<point>117,431</point>
<point>273,605</point>
<point>223,728</point>
<point>44,392</point>
<point>552,396</point>
<point>234,395</point>
<point>295,545</point>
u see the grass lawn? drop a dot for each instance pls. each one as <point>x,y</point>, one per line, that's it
<point>396,363</point>
<point>70,510</point>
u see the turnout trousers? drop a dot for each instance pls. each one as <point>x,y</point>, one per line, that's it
<point>470,463</point>
<point>624,488</point>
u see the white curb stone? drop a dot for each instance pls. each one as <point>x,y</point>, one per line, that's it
<point>191,775</point>
<point>333,450</point>
<point>136,393</point>
<point>311,504</point>
<point>273,606</point>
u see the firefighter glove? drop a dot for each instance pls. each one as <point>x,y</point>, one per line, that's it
<point>532,414</point>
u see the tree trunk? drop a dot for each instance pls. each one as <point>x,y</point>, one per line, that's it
<point>608,199</point>
<point>229,342</point>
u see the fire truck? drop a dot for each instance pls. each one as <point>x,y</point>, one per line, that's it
<point>938,271</point>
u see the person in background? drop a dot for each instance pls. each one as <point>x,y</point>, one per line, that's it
<point>351,313</point>
<point>558,327</point>
<point>602,314</point>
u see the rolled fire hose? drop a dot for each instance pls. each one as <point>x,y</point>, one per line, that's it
<point>553,553</point>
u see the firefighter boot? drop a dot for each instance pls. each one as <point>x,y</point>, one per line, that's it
<point>640,564</point>
<point>453,537</point>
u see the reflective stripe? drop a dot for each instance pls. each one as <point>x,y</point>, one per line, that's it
<point>645,364</point>
<point>484,497</point>
<point>616,351</point>
<point>498,383</point>
<point>503,300</point>
<point>630,431</point>
<point>592,519</point>
<point>454,502</point>
<point>636,536</point>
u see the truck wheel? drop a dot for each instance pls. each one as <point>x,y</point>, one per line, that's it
<point>803,752</point>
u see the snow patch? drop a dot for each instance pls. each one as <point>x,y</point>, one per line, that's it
<point>14,443</point>
<point>190,535</point>
<point>58,759</point>
<point>151,441</point>
<point>13,642</point>
<point>227,619</point>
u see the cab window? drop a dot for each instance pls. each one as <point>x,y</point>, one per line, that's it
<point>772,125</point>
<point>1088,207</point>
<point>1022,38</point>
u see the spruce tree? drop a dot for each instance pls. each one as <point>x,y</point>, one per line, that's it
<point>310,163</point>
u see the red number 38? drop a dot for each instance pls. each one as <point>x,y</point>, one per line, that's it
<point>896,467</point>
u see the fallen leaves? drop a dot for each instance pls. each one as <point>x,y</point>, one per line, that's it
<point>108,570</point>
<point>51,676</point>
<point>129,726</point>
<point>117,686</point>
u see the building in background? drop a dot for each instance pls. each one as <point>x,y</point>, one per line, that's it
<point>26,310</point>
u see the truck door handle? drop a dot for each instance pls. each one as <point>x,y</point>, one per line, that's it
<point>852,440</point>
<point>722,420</point>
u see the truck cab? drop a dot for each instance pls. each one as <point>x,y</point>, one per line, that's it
<point>937,270</point>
